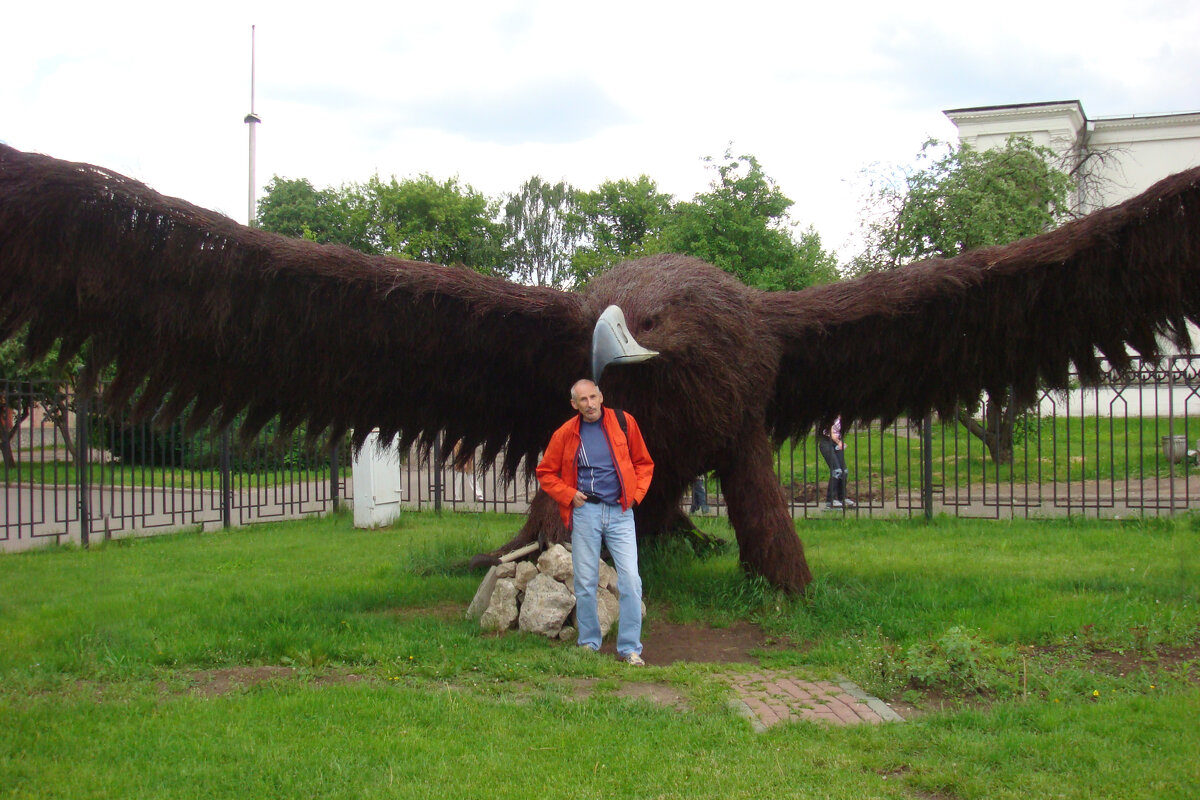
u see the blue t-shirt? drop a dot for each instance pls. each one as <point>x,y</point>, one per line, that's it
<point>597,472</point>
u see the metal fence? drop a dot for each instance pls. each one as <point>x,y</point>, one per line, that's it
<point>1127,448</point>
<point>140,480</point>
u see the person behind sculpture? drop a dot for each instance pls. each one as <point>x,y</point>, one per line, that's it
<point>833,450</point>
<point>699,496</point>
<point>597,468</point>
<point>464,471</point>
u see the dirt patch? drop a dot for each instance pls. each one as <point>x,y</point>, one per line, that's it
<point>867,490</point>
<point>1183,661</point>
<point>447,611</point>
<point>217,682</point>
<point>658,693</point>
<point>666,643</point>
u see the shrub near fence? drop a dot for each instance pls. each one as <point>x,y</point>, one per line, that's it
<point>1125,449</point>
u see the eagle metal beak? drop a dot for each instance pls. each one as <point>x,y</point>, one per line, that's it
<point>612,343</point>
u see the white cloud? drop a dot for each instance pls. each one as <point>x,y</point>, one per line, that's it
<point>495,92</point>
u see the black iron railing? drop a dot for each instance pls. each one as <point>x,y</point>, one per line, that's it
<point>1125,448</point>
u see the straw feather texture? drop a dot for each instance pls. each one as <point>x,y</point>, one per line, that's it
<point>194,308</point>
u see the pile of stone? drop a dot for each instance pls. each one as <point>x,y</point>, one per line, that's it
<point>539,597</point>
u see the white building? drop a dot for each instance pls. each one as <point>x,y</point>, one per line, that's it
<point>1113,158</point>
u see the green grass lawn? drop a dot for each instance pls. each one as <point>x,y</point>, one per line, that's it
<point>1045,450</point>
<point>1046,659</point>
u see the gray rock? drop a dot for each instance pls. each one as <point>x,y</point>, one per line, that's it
<point>546,607</point>
<point>483,595</point>
<point>608,608</point>
<point>525,573</point>
<point>556,562</point>
<point>608,578</point>
<point>568,634</point>
<point>508,570</point>
<point>502,611</point>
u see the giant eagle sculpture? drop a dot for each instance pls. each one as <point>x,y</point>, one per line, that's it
<point>201,312</point>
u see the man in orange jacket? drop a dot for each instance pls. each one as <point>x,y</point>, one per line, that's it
<point>597,467</point>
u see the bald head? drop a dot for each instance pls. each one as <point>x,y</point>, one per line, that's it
<point>587,400</point>
<point>582,385</point>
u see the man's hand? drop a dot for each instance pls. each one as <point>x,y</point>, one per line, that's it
<point>580,499</point>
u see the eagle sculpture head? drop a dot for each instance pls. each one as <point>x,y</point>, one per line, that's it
<point>715,361</point>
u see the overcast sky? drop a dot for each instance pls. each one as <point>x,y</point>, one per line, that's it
<point>495,92</point>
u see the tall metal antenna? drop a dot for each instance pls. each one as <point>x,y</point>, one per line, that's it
<point>252,120</point>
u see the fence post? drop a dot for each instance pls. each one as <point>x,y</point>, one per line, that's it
<point>226,481</point>
<point>435,470</point>
<point>1170,452</point>
<point>335,484</point>
<point>83,488</point>
<point>927,465</point>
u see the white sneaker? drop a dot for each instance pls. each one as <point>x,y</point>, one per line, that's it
<point>850,503</point>
<point>634,660</point>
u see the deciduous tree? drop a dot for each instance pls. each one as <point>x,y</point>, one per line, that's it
<point>615,222</point>
<point>294,208</point>
<point>957,199</point>
<point>25,384</point>
<point>442,222</point>
<point>419,218</point>
<point>741,225</point>
<point>541,234</point>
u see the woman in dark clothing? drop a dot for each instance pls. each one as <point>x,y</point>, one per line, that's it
<point>833,450</point>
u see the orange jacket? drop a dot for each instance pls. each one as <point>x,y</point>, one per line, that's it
<point>558,473</point>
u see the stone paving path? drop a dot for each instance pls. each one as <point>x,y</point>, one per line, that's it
<point>768,697</point>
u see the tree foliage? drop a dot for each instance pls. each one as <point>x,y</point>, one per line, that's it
<point>294,208</point>
<point>556,235</point>
<point>741,225</point>
<point>419,218</point>
<point>26,384</point>
<point>615,222</point>
<point>958,199</point>
<point>427,220</point>
<point>539,221</point>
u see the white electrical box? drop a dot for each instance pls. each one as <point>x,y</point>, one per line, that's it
<point>377,485</point>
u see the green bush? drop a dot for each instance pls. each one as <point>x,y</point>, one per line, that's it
<point>958,660</point>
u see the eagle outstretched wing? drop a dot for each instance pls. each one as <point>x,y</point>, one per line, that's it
<point>936,334</point>
<point>203,315</point>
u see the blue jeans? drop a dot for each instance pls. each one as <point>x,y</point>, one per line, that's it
<point>594,524</point>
